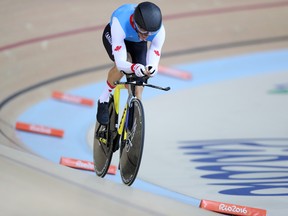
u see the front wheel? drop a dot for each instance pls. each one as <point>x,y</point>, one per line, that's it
<point>132,143</point>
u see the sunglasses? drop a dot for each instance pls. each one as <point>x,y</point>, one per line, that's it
<point>142,31</point>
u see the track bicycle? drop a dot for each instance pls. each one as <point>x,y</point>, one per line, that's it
<point>128,135</point>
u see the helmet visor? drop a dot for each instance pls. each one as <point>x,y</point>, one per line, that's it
<point>142,31</point>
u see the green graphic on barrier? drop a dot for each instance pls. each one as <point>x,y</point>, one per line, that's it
<point>280,89</point>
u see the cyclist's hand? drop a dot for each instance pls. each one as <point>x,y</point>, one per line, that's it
<point>139,70</point>
<point>151,70</point>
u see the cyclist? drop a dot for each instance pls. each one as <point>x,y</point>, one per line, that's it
<point>133,40</point>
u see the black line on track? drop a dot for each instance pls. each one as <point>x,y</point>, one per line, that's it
<point>164,55</point>
<point>195,50</point>
<point>216,47</point>
<point>66,76</point>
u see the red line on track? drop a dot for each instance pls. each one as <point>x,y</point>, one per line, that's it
<point>227,10</point>
<point>168,17</point>
<point>49,37</point>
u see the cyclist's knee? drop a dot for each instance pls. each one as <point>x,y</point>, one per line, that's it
<point>138,92</point>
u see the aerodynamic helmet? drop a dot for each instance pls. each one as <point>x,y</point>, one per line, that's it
<point>148,17</point>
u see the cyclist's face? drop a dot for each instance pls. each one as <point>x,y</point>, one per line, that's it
<point>142,33</point>
<point>142,36</point>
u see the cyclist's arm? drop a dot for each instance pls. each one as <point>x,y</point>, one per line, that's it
<point>119,47</point>
<point>154,52</point>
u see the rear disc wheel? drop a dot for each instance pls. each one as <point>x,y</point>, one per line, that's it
<point>103,143</point>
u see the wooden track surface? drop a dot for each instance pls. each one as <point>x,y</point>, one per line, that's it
<point>48,45</point>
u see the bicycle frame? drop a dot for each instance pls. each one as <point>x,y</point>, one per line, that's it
<point>124,117</point>
<point>108,138</point>
<point>131,95</point>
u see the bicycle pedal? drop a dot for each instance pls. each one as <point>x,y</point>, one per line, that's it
<point>102,140</point>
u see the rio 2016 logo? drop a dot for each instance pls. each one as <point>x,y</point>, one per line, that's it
<point>257,167</point>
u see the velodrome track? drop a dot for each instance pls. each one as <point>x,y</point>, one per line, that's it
<point>47,46</point>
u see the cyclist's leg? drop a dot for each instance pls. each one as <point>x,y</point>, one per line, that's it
<point>114,74</point>
<point>138,92</point>
<point>138,52</point>
<point>102,109</point>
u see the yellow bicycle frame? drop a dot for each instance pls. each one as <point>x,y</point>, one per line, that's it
<point>116,97</point>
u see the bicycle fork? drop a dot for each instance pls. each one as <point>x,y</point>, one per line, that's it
<point>126,125</point>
